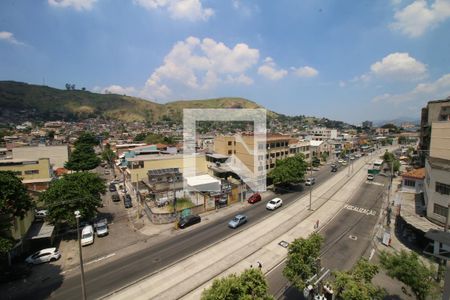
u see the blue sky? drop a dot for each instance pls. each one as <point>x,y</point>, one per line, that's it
<point>344,60</point>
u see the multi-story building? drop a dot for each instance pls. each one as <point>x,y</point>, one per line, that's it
<point>36,174</point>
<point>300,146</point>
<point>437,163</point>
<point>322,134</point>
<point>435,111</point>
<point>367,124</point>
<point>58,155</point>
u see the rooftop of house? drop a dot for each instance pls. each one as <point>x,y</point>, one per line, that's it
<point>415,173</point>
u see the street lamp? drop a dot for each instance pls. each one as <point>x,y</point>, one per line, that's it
<point>83,287</point>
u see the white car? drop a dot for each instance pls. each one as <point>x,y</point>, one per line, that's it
<point>274,204</point>
<point>341,161</point>
<point>101,227</point>
<point>370,177</point>
<point>42,256</point>
<point>87,235</point>
<point>310,181</point>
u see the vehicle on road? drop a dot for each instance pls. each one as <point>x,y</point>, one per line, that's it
<point>341,161</point>
<point>344,163</point>
<point>127,201</point>
<point>101,227</point>
<point>44,255</point>
<point>370,177</point>
<point>188,221</point>
<point>87,235</point>
<point>274,204</point>
<point>237,221</point>
<point>115,197</point>
<point>334,168</point>
<point>310,181</point>
<point>40,214</point>
<point>107,172</point>
<point>254,198</point>
<point>352,157</point>
<point>112,187</point>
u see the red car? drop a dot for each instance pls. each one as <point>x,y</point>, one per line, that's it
<point>254,198</point>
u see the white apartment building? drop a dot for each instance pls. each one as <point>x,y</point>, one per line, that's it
<point>322,134</point>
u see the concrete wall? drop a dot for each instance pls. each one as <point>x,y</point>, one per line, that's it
<point>58,155</point>
<point>434,175</point>
<point>40,167</point>
<point>440,140</point>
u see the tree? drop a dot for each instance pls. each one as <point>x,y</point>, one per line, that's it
<point>357,284</point>
<point>289,170</point>
<point>108,154</point>
<point>87,138</point>
<point>82,158</point>
<point>140,137</point>
<point>78,191</point>
<point>14,202</point>
<point>68,86</point>
<point>251,284</point>
<point>301,263</point>
<point>51,135</point>
<point>391,160</point>
<point>409,269</point>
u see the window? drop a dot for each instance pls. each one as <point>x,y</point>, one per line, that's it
<point>31,172</point>
<point>17,173</point>
<point>234,151</point>
<point>230,152</point>
<point>442,188</point>
<point>235,143</point>
<point>440,210</point>
<point>229,143</point>
<point>408,182</point>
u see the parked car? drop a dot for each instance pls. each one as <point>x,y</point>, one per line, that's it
<point>310,181</point>
<point>341,161</point>
<point>42,256</point>
<point>107,172</point>
<point>274,204</point>
<point>127,201</point>
<point>188,221</point>
<point>112,187</point>
<point>334,168</point>
<point>101,227</point>
<point>254,198</point>
<point>115,197</point>
<point>40,214</point>
<point>87,235</point>
<point>237,221</point>
<point>344,163</point>
<point>370,177</point>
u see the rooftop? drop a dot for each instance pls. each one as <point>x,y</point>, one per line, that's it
<point>416,173</point>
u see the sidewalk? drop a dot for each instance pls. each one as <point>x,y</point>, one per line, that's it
<point>259,242</point>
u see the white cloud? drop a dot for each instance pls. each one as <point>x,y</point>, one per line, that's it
<point>399,66</point>
<point>117,89</point>
<point>305,72</point>
<point>77,4</point>
<point>418,17</point>
<point>423,92</point>
<point>201,65</point>
<point>269,70</point>
<point>191,10</point>
<point>9,38</point>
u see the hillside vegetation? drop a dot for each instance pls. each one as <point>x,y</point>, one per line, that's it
<point>50,104</point>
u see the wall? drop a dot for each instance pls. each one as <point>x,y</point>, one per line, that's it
<point>434,175</point>
<point>42,166</point>
<point>440,140</point>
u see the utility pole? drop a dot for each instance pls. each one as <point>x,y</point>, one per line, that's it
<point>83,287</point>
<point>310,186</point>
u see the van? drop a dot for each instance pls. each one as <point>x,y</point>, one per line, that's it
<point>87,235</point>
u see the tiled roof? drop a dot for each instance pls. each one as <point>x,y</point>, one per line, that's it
<point>416,173</point>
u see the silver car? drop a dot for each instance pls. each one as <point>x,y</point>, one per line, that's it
<point>44,255</point>
<point>237,221</point>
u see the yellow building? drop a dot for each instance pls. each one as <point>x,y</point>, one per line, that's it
<point>36,174</point>
<point>139,166</point>
<point>277,147</point>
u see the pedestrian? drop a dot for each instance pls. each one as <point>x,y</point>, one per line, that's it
<point>259,265</point>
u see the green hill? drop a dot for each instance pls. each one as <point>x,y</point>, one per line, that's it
<point>48,103</point>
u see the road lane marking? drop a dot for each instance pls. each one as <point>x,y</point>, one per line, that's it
<point>371,254</point>
<point>368,212</point>
<point>99,259</point>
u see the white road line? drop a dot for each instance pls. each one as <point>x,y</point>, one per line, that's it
<point>99,259</point>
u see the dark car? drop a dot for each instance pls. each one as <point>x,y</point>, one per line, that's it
<point>188,221</point>
<point>127,201</point>
<point>112,187</point>
<point>254,198</point>
<point>115,197</point>
<point>334,168</point>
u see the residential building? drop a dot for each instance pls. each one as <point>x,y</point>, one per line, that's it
<point>36,174</point>
<point>58,155</point>
<point>437,164</point>
<point>139,166</point>
<point>300,147</point>
<point>322,134</point>
<point>413,181</point>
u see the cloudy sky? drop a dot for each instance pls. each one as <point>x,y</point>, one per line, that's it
<point>345,60</point>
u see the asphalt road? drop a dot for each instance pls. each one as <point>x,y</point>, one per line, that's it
<point>341,250</point>
<point>118,273</point>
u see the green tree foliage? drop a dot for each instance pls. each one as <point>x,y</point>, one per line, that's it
<point>390,158</point>
<point>83,158</point>
<point>87,138</point>
<point>409,269</point>
<point>14,202</point>
<point>301,263</point>
<point>251,284</point>
<point>140,137</point>
<point>78,191</point>
<point>108,154</point>
<point>153,138</point>
<point>51,135</point>
<point>289,170</point>
<point>356,284</point>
